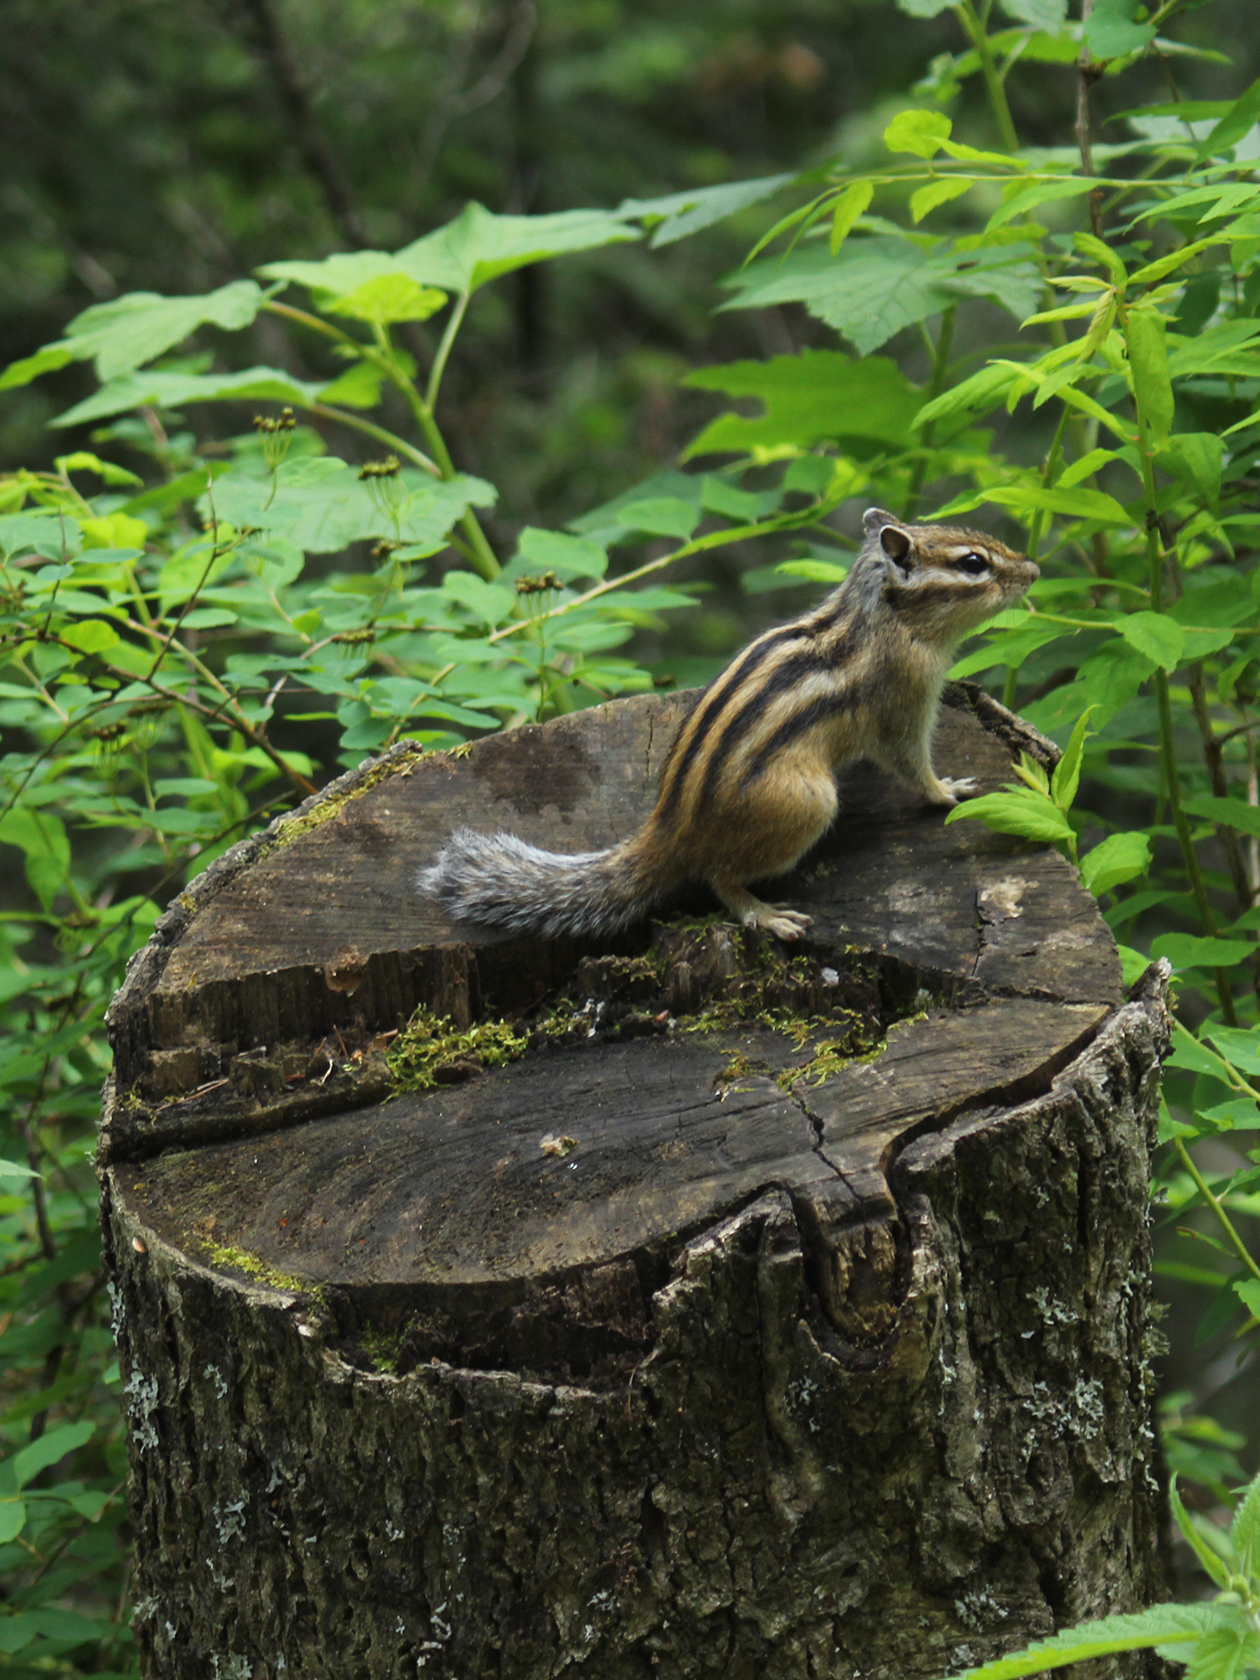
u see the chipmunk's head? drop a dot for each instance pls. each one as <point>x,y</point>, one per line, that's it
<point>941,581</point>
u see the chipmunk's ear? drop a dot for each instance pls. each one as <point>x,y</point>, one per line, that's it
<point>894,540</point>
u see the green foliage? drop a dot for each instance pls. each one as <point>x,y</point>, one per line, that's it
<point>1216,1641</point>
<point>1067,338</point>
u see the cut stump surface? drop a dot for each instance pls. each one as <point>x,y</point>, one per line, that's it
<point>833,1255</point>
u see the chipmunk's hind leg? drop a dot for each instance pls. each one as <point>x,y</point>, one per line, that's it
<point>780,818</point>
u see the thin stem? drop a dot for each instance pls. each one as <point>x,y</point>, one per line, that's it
<point>369,428</point>
<point>444,350</point>
<point>1231,1235</point>
<point>940,373</point>
<point>992,81</point>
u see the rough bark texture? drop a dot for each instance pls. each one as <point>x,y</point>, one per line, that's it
<point>765,1320</point>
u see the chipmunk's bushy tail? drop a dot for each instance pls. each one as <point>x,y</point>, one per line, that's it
<point>500,881</point>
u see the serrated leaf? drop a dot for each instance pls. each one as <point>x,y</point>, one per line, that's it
<point>1118,858</point>
<point>675,215</point>
<point>1027,814</point>
<point>877,286</point>
<point>919,132</point>
<point>852,203</point>
<point>131,330</point>
<point>1182,1625</point>
<point>976,395</point>
<point>816,395</point>
<point>1156,635</point>
<point>159,389</point>
<point>1237,814</point>
<point>114,530</point>
<point>1144,329</point>
<point>1248,1292</point>
<point>1038,193</point>
<point>1188,1053</point>
<point>477,246</point>
<point>1225,1654</point>
<point>937,193</point>
<point>389,298</point>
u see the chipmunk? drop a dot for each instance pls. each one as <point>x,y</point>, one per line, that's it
<point>748,784</point>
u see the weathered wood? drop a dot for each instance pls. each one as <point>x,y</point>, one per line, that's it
<point>765,1318</point>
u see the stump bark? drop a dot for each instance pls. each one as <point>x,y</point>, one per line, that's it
<point>683,1306</point>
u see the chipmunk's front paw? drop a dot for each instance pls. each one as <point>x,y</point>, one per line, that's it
<point>959,787</point>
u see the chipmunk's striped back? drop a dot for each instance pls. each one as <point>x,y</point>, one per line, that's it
<point>749,782</point>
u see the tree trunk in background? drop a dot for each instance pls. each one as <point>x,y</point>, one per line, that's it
<point>768,1316</point>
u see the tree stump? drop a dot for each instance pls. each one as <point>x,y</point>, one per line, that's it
<point>685,1306</point>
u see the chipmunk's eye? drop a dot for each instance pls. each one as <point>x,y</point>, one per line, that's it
<point>975,565</point>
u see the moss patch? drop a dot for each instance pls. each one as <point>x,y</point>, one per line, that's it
<point>431,1050</point>
<point>240,1260</point>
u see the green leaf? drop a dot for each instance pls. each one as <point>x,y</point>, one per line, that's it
<point>937,193</point>
<point>66,1626</point>
<point>115,530</point>
<point>321,505</point>
<point>1111,31</point>
<point>1038,193</point>
<point>982,391</point>
<point>47,360</point>
<point>1234,813</point>
<point>1196,457</point>
<point>1244,1532</point>
<point>1073,504</point>
<point>82,460</point>
<point>1162,1624</point>
<point>1021,812</point>
<point>1188,1053</point>
<point>1041,14</point>
<point>1237,123</point>
<point>925,8</point>
<point>1240,1046</point>
<point>816,395</point>
<point>12,1519</point>
<point>556,551</point>
<point>42,838</point>
<point>1186,950</point>
<point>388,298</point>
<point>852,203</point>
<point>678,214</point>
<point>477,247</point>
<point>91,635</point>
<point>663,516</point>
<point>1118,858</point>
<point>1156,635</point>
<point>157,389</point>
<point>920,132</point>
<point>877,286</point>
<point>1144,330</point>
<point>1067,772</point>
<point>48,1449</point>
<point>1210,1561</point>
<point>128,331</point>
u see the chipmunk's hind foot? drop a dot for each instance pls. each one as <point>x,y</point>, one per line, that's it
<point>770,918</point>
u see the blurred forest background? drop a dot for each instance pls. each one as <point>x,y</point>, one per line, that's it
<point>173,149</point>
